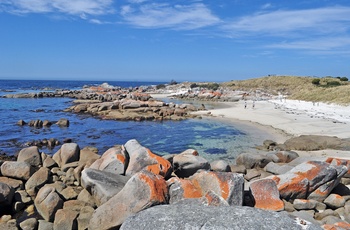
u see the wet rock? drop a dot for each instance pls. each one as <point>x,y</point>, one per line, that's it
<point>62,122</point>
<point>143,158</point>
<point>21,122</point>
<point>30,155</point>
<point>102,185</point>
<point>17,170</point>
<point>266,195</point>
<point>142,191</point>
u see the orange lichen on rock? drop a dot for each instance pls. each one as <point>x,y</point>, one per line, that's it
<point>266,195</point>
<point>337,226</point>
<point>162,167</point>
<point>121,158</point>
<point>338,161</point>
<point>157,186</point>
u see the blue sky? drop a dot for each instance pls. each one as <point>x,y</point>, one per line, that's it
<point>190,40</point>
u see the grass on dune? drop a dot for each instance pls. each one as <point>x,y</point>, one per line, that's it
<point>298,88</point>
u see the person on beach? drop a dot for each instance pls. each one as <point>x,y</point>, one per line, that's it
<point>245,104</point>
<point>253,104</point>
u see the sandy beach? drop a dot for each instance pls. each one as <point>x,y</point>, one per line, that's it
<point>288,118</point>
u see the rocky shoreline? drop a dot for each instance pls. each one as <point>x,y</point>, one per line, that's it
<point>130,187</point>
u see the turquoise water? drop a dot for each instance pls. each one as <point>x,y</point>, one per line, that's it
<point>211,138</point>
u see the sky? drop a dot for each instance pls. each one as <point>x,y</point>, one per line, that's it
<point>192,40</point>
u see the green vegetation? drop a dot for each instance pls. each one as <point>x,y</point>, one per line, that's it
<point>316,81</point>
<point>298,88</point>
<point>160,86</point>
<point>344,79</point>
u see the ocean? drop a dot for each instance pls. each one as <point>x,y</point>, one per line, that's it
<point>211,138</point>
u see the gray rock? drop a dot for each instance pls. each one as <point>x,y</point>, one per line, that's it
<point>47,202</point>
<point>220,166</point>
<point>18,170</point>
<point>86,197</point>
<point>334,201</point>
<point>69,152</point>
<point>250,160</point>
<point>302,204</point>
<point>29,224</point>
<point>6,194</point>
<point>45,225</point>
<point>203,217</point>
<point>37,180</point>
<point>30,155</point>
<point>102,185</point>
<point>16,184</point>
<point>187,165</point>
<point>84,217</point>
<point>65,219</point>
<point>277,169</point>
<point>62,122</point>
<point>143,190</point>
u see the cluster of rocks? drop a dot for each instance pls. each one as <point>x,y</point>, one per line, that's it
<point>63,122</point>
<point>137,107</point>
<point>208,95</point>
<point>79,189</point>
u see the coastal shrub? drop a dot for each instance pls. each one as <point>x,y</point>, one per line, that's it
<point>333,83</point>
<point>316,81</point>
<point>194,85</point>
<point>211,86</point>
<point>173,82</point>
<point>160,86</point>
<point>343,79</point>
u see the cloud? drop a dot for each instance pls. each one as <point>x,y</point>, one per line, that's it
<point>292,22</point>
<point>72,7</point>
<point>321,44</point>
<point>180,17</point>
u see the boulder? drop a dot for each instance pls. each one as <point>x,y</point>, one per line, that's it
<point>143,158</point>
<point>277,169</point>
<point>180,189</point>
<point>316,142</point>
<point>303,204</point>
<point>220,166</point>
<point>186,165</point>
<point>28,224</point>
<point>228,185</point>
<point>66,219</point>
<point>304,179</point>
<point>6,194</point>
<point>266,195</point>
<point>69,152</point>
<point>143,190</point>
<point>62,122</point>
<point>334,201</point>
<point>188,216</point>
<point>88,154</point>
<point>252,160</point>
<point>114,160</point>
<point>286,156</point>
<point>102,185</point>
<point>16,169</point>
<point>47,202</point>
<point>37,180</point>
<point>30,155</point>
<point>16,184</point>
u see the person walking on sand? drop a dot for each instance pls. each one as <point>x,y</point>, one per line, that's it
<point>253,104</point>
<point>245,104</point>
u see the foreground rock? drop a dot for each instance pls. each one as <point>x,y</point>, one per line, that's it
<point>204,217</point>
<point>142,191</point>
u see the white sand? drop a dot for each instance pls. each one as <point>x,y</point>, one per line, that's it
<point>293,117</point>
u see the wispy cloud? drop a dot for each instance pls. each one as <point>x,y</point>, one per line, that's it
<point>72,7</point>
<point>181,17</point>
<point>292,22</point>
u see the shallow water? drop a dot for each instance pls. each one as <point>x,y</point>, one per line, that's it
<point>211,138</point>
